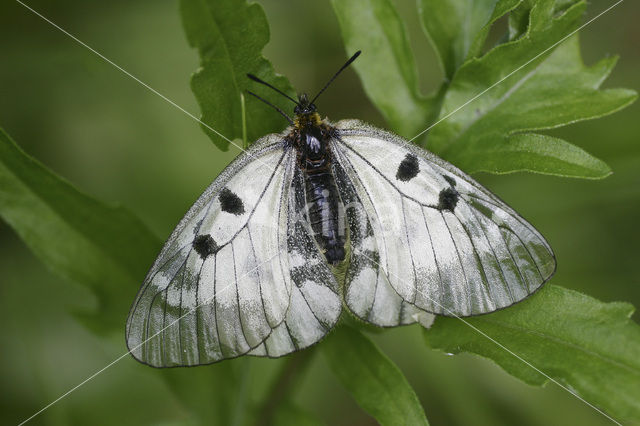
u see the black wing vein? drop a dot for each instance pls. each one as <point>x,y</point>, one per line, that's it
<point>462,267</point>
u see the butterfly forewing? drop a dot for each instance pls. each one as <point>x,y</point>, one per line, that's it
<point>446,244</point>
<point>204,298</point>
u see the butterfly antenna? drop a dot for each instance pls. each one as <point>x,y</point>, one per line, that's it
<point>284,114</point>
<point>351,59</point>
<point>258,80</point>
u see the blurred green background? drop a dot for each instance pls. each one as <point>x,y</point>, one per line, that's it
<point>115,140</point>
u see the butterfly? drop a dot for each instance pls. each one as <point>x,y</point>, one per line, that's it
<point>249,270</point>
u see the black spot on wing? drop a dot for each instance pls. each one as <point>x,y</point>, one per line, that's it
<point>449,179</point>
<point>204,245</point>
<point>448,199</point>
<point>230,202</point>
<point>408,168</point>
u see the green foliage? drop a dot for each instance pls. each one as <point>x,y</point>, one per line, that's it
<point>554,92</point>
<point>387,68</point>
<point>104,248</point>
<point>289,414</point>
<point>587,345</point>
<point>493,132</point>
<point>230,36</point>
<point>458,28</point>
<point>372,379</point>
<point>215,394</point>
<point>543,154</point>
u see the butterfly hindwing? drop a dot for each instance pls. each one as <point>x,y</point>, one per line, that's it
<point>445,243</point>
<point>315,303</point>
<point>367,292</point>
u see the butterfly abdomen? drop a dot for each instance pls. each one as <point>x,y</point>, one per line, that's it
<point>323,210</point>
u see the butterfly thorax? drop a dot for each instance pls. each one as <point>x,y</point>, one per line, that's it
<point>310,137</point>
<point>323,207</point>
<point>312,146</point>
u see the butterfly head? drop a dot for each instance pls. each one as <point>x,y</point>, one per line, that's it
<point>305,109</point>
<point>304,106</point>
<point>305,112</point>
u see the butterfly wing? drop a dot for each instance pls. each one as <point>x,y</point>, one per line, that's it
<point>315,304</point>
<point>223,282</point>
<point>445,244</point>
<point>368,292</point>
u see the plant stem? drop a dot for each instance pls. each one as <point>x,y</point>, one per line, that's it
<point>242,401</point>
<point>280,391</point>
<point>245,143</point>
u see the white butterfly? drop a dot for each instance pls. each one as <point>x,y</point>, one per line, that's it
<point>247,271</point>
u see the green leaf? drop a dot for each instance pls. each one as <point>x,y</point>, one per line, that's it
<point>589,346</point>
<point>458,28</point>
<point>376,384</point>
<point>519,18</point>
<point>230,36</point>
<point>554,90</point>
<point>386,67</point>
<point>530,152</point>
<point>104,248</point>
